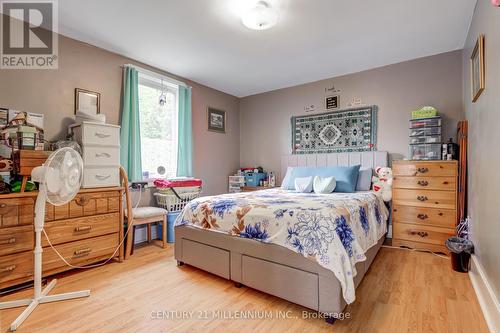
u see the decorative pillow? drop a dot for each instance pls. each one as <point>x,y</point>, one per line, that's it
<point>346,177</point>
<point>324,185</point>
<point>304,185</point>
<point>364,179</point>
<point>285,183</point>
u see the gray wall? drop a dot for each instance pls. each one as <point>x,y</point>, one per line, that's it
<point>484,140</point>
<point>396,89</point>
<point>51,92</point>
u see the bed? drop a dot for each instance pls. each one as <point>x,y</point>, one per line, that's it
<point>310,249</point>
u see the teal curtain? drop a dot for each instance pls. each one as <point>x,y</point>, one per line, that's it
<point>185,133</point>
<point>130,133</point>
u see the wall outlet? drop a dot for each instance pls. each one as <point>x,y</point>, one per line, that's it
<point>139,185</point>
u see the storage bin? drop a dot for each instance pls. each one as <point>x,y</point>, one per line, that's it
<point>425,139</point>
<point>254,178</point>
<point>425,152</point>
<point>425,122</point>
<point>425,131</point>
<point>171,217</point>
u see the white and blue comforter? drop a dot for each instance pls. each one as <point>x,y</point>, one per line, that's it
<point>334,230</point>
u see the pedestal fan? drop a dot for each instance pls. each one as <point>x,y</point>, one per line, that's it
<point>60,178</point>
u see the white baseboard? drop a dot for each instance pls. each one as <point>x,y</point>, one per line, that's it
<point>487,299</point>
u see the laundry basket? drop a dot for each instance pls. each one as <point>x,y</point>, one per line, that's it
<point>173,195</point>
<point>176,201</point>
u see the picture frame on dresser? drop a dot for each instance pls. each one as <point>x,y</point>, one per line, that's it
<point>87,101</point>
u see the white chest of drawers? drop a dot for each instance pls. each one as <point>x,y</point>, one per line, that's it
<point>101,153</point>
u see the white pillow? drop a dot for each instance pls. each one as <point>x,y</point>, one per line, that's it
<point>304,185</point>
<point>324,185</point>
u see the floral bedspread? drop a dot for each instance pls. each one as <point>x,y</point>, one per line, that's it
<point>334,230</point>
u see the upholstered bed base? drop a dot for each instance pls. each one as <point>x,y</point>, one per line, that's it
<point>270,268</point>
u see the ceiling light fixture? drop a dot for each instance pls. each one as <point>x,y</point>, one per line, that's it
<point>261,17</point>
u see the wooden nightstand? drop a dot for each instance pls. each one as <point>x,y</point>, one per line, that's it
<point>424,203</point>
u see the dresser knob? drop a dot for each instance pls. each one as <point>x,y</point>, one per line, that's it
<point>7,269</point>
<point>423,216</point>
<point>82,200</point>
<point>82,252</point>
<point>84,228</point>
<point>423,170</point>
<point>423,182</point>
<point>422,198</point>
<point>11,240</point>
<point>419,233</point>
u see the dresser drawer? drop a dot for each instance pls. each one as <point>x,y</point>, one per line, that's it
<point>16,211</point>
<point>101,177</point>
<point>97,134</point>
<point>85,204</point>
<point>427,216</point>
<point>425,198</point>
<point>422,234</point>
<point>101,156</point>
<point>79,253</point>
<point>429,169</point>
<point>16,239</point>
<point>16,266</point>
<point>426,183</point>
<point>65,231</point>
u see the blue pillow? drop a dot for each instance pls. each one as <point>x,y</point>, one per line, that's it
<point>346,177</point>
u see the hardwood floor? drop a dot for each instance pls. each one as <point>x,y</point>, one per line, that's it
<point>403,292</point>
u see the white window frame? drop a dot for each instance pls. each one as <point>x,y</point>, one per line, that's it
<point>155,82</point>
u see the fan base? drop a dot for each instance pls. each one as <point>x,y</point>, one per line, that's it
<point>32,303</point>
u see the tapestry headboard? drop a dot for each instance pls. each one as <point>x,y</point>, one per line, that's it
<point>371,159</point>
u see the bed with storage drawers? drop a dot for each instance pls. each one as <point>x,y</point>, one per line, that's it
<point>251,254</point>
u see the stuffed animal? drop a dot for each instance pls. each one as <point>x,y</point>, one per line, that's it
<point>383,182</point>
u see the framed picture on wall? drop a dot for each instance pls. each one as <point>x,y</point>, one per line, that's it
<point>216,120</point>
<point>477,69</point>
<point>332,102</point>
<point>87,101</point>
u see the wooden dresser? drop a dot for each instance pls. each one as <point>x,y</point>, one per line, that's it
<point>424,203</point>
<point>86,230</point>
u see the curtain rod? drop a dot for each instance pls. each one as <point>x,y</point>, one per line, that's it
<point>158,75</point>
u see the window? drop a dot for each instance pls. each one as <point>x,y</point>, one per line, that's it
<point>158,127</point>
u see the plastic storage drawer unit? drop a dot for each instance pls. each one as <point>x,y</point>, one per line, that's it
<point>425,151</point>
<point>425,131</point>
<point>425,139</point>
<point>426,122</point>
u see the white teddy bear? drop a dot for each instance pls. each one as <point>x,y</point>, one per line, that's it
<point>383,182</point>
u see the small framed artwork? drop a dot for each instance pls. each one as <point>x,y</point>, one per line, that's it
<point>332,102</point>
<point>87,101</point>
<point>216,120</point>
<point>477,69</point>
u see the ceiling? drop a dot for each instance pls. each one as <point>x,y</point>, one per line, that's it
<point>205,41</point>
